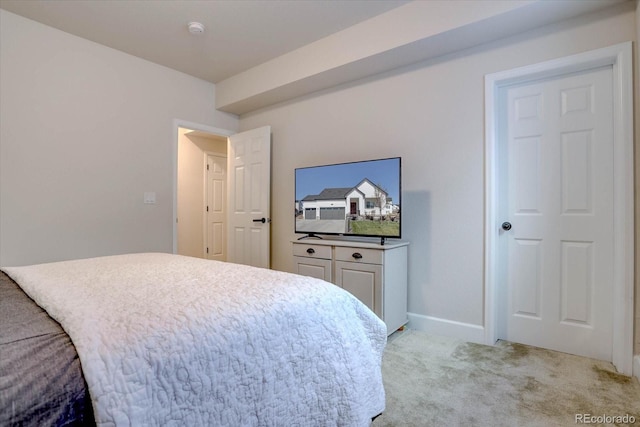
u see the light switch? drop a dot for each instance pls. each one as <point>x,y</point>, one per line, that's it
<point>150,197</point>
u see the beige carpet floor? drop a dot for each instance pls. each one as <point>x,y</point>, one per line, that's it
<point>436,381</point>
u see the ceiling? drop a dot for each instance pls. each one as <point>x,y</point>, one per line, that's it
<point>239,34</point>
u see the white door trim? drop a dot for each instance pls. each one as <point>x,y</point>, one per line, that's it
<point>177,123</point>
<point>620,58</point>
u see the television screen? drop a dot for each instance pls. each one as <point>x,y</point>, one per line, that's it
<point>351,199</point>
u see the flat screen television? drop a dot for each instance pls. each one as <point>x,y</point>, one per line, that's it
<point>350,199</point>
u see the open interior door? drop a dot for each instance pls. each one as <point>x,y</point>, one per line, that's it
<point>249,190</point>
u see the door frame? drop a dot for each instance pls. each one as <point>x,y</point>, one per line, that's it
<point>620,58</point>
<point>178,123</point>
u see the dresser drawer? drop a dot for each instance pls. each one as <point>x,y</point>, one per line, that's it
<point>363,255</point>
<point>311,250</point>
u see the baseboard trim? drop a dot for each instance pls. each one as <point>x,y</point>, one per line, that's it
<point>447,328</point>
<point>636,366</point>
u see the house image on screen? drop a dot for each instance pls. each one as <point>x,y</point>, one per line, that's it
<point>366,198</point>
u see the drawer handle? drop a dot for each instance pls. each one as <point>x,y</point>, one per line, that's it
<point>357,255</point>
<point>311,251</point>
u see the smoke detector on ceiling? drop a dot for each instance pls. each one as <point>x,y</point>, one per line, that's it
<point>195,28</point>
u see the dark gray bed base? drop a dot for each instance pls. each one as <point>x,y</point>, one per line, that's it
<point>41,381</point>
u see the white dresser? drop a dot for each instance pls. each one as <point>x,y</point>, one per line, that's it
<point>376,274</point>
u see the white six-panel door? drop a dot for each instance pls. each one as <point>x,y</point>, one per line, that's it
<point>558,199</point>
<point>216,211</point>
<point>249,181</point>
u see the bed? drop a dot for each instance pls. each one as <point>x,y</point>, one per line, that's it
<point>161,339</point>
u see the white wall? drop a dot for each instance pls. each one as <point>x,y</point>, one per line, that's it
<point>432,115</point>
<point>85,131</point>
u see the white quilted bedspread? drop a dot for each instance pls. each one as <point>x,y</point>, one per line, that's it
<point>171,340</point>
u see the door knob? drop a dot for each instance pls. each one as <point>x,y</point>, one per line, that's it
<point>506,226</point>
<point>262,220</point>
